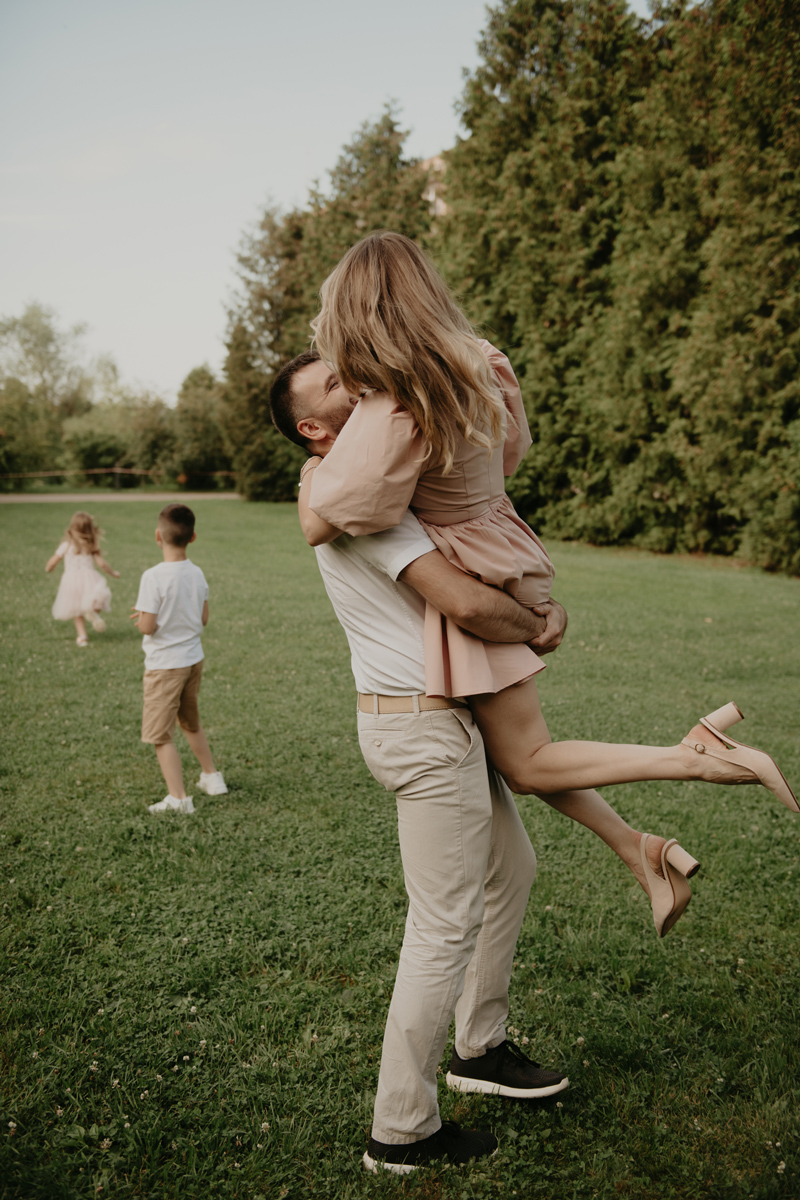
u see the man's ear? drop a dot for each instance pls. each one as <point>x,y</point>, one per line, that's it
<point>310,430</point>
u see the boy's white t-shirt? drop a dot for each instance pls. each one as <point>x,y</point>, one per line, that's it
<point>175,592</point>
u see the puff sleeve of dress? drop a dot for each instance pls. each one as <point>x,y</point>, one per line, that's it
<point>366,482</point>
<point>518,436</point>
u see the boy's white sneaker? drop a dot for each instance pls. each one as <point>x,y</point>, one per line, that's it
<point>172,804</point>
<point>212,785</point>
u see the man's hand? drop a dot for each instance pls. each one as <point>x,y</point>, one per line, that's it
<point>486,611</point>
<point>554,630</point>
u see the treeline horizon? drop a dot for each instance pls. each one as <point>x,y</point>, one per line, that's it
<point>622,221</point>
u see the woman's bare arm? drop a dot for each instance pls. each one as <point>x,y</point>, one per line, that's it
<point>317,530</point>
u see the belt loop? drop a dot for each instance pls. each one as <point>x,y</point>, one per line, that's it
<point>375,706</point>
<point>415,698</point>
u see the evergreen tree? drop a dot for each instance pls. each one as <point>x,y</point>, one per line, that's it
<point>535,207</point>
<point>283,264</point>
<point>266,464</point>
<point>624,223</point>
<point>282,268</point>
<point>738,372</point>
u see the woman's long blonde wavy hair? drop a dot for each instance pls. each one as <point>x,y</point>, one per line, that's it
<point>84,533</point>
<point>387,321</point>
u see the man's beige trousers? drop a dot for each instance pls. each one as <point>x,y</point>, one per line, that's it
<point>469,866</point>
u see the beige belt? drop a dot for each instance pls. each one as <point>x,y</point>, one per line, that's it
<point>378,705</point>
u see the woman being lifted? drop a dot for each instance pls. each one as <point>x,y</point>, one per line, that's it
<point>439,424</point>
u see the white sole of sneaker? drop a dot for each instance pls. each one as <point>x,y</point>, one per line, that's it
<point>376,1165</point>
<point>460,1083</point>
<point>184,810</point>
<point>212,789</point>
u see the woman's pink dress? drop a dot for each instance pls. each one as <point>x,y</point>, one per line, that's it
<point>82,589</point>
<point>377,470</point>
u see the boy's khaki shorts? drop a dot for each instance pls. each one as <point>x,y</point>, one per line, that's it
<point>170,695</point>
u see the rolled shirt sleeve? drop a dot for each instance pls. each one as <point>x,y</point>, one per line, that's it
<point>392,550</point>
<point>365,484</point>
<point>518,436</point>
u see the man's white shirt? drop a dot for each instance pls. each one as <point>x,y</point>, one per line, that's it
<point>383,618</point>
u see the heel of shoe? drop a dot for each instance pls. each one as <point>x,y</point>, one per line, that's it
<point>669,894</point>
<point>681,860</point>
<point>722,718</point>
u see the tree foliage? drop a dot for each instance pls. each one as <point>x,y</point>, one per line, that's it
<point>45,358</point>
<point>624,222</point>
<point>266,464</point>
<point>43,381</point>
<point>28,432</point>
<point>282,265</point>
<point>286,259</point>
<point>201,451</point>
<point>59,411</point>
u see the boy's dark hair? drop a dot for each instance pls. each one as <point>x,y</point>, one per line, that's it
<point>282,404</point>
<point>176,522</point>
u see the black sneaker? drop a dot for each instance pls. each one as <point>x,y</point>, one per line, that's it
<point>504,1071</point>
<point>449,1143</point>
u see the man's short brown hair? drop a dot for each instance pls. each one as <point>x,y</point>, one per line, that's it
<point>283,408</point>
<point>176,522</point>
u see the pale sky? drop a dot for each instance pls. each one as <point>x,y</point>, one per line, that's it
<point>139,139</point>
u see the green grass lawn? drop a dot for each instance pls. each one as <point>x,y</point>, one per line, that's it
<point>193,1007</point>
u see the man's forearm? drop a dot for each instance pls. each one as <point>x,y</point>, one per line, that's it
<point>488,612</point>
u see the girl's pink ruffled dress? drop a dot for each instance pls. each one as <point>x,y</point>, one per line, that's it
<point>82,589</point>
<point>377,470</point>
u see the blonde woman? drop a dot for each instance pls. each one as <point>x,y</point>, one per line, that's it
<point>436,404</point>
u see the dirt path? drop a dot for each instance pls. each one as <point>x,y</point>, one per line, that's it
<point>114,497</point>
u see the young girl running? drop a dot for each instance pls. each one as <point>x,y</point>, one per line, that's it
<point>442,402</point>
<point>82,593</point>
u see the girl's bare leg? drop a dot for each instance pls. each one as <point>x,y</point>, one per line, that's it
<point>518,743</point>
<point>80,626</point>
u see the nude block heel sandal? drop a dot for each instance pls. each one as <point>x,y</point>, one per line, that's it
<point>680,859</point>
<point>727,749</point>
<point>669,896</point>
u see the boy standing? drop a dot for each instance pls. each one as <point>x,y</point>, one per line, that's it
<point>171,611</point>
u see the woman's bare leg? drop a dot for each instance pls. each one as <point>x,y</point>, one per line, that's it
<point>589,809</point>
<point>519,745</point>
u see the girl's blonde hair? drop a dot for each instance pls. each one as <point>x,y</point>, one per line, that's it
<point>387,321</point>
<point>84,533</point>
